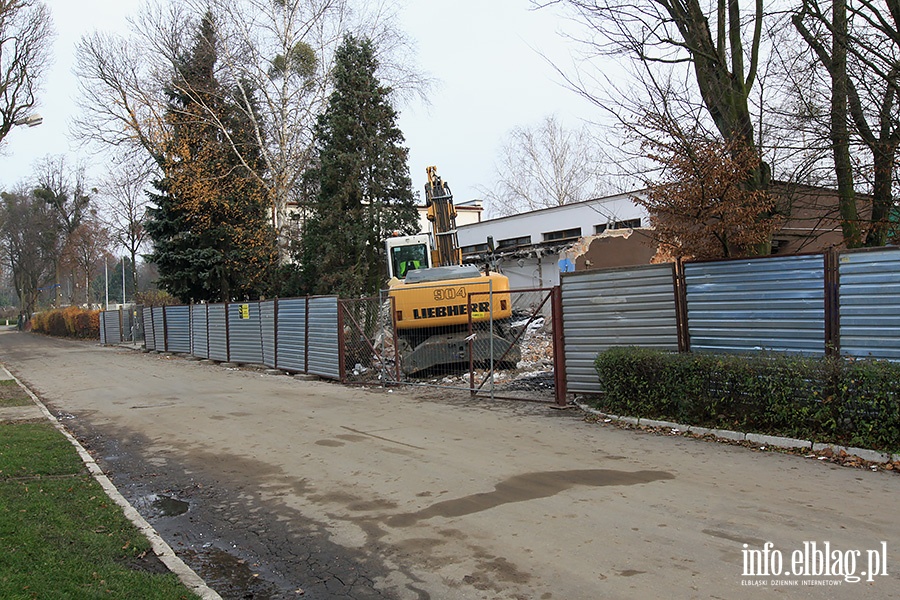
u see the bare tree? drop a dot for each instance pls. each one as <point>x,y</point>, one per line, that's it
<point>124,201</point>
<point>86,247</point>
<point>858,45</point>
<point>28,237</point>
<point>548,165</point>
<point>26,34</point>
<point>64,189</point>
<point>720,43</point>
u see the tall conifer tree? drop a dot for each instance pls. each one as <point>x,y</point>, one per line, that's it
<point>211,234</point>
<point>364,188</point>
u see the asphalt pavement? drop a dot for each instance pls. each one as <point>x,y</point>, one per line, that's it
<point>270,487</point>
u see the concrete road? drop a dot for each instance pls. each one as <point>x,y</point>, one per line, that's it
<point>343,492</point>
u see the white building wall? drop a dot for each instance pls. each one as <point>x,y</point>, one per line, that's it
<point>585,215</point>
<point>542,270</point>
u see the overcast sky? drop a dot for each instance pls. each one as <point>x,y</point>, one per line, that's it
<point>485,54</point>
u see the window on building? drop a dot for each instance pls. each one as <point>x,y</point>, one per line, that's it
<point>474,249</point>
<point>562,234</point>
<point>626,224</point>
<point>524,240</point>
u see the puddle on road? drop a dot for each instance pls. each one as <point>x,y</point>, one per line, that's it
<point>160,505</point>
<point>230,575</point>
<point>529,486</point>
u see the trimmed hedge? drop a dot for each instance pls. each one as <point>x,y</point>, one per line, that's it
<point>830,399</point>
<point>68,322</point>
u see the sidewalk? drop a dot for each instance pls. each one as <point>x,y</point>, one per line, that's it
<point>38,411</point>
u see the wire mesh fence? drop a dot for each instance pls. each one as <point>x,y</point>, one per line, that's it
<point>370,347</point>
<point>511,357</point>
<point>530,330</point>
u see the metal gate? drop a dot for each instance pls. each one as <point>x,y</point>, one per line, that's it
<point>532,368</point>
<point>517,358</point>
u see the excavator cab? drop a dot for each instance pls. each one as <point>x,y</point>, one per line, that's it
<point>408,253</point>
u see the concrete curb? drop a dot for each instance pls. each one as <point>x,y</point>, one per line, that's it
<point>756,438</point>
<point>162,550</point>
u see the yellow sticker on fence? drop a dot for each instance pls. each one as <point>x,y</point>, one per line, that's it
<point>245,311</point>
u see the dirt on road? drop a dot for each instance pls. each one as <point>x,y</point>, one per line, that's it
<point>273,488</point>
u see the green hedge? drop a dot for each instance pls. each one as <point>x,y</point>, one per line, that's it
<point>830,399</point>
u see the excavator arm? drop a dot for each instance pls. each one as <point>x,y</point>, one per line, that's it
<point>442,215</point>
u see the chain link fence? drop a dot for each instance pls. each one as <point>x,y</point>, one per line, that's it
<point>512,358</point>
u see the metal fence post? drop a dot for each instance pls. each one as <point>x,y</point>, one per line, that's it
<point>559,341</point>
<point>227,336</point>
<point>306,337</point>
<point>682,327</point>
<point>342,362</point>
<point>832,303</point>
<point>275,334</point>
<point>165,331</point>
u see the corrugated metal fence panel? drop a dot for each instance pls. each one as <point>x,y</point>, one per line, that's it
<point>149,334</point>
<point>218,334</point>
<point>324,359</point>
<point>199,331</point>
<point>244,335</point>
<point>103,328</point>
<point>178,328</point>
<point>870,303</point>
<point>159,328</point>
<point>773,303</point>
<point>267,328</point>
<point>113,327</point>
<point>614,307</point>
<point>291,341</point>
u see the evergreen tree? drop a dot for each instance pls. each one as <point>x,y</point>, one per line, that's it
<point>364,188</point>
<point>211,234</point>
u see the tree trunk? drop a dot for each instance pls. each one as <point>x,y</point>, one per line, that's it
<point>840,135</point>
<point>882,198</point>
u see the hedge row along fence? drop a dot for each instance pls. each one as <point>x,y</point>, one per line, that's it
<point>68,322</point>
<point>838,400</point>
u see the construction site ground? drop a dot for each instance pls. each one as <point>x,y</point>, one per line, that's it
<point>271,487</point>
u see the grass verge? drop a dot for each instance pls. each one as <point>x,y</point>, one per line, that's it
<point>12,395</point>
<point>62,537</point>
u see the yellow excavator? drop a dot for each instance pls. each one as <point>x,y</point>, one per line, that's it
<point>434,296</point>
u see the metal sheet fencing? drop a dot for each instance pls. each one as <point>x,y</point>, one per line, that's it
<point>324,351</point>
<point>291,342</point>
<point>267,331</point>
<point>114,333</point>
<point>149,334</point>
<point>199,331</point>
<point>159,327</point>
<point>773,304</point>
<point>617,307</point>
<point>244,335</point>
<point>217,332</point>
<point>178,329</point>
<point>869,301</point>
